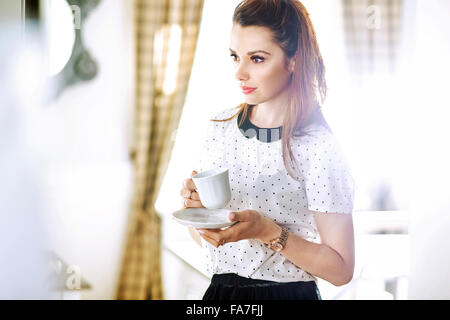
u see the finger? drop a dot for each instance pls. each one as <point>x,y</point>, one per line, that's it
<point>210,240</point>
<point>185,193</point>
<point>189,184</point>
<point>193,173</point>
<point>243,216</point>
<point>195,196</point>
<point>192,203</point>
<point>218,236</point>
<point>211,233</point>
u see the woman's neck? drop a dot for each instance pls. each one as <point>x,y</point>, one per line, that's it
<point>270,114</point>
<point>264,116</point>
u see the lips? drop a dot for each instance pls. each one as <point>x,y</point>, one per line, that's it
<point>247,90</point>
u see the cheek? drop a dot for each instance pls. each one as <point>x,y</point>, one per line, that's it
<point>272,80</point>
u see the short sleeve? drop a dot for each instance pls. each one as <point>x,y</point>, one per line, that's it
<point>329,185</point>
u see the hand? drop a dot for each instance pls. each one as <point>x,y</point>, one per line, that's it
<point>250,225</point>
<point>190,197</point>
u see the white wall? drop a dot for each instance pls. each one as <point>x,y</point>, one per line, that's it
<point>81,139</point>
<point>430,156</point>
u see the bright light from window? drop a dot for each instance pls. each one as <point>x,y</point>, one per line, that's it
<point>28,76</point>
<point>173,55</point>
<point>60,32</point>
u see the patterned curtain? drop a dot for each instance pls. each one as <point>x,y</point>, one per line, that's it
<point>372,34</point>
<point>166,38</point>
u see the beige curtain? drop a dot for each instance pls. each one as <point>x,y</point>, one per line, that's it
<point>166,38</point>
<point>372,34</point>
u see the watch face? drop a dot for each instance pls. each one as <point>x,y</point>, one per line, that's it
<point>277,247</point>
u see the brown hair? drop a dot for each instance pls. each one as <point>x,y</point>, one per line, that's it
<point>292,29</point>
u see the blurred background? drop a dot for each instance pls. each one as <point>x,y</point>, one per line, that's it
<point>103,104</point>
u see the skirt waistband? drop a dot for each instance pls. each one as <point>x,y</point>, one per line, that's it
<point>234,280</point>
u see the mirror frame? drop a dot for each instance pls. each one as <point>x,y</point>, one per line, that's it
<point>81,66</point>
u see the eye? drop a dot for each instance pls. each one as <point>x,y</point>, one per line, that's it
<point>258,58</point>
<point>233,56</point>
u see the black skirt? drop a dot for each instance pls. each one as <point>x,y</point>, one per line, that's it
<point>230,286</point>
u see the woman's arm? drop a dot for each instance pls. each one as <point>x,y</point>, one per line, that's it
<point>331,260</point>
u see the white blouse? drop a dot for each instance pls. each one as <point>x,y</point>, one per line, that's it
<point>259,181</point>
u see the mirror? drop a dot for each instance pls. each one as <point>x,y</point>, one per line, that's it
<point>60,24</point>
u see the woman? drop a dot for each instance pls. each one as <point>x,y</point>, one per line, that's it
<point>292,191</point>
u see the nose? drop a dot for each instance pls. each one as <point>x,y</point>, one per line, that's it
<point>241,72</point>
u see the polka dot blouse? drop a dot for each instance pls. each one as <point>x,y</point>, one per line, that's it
<point>259,181</point>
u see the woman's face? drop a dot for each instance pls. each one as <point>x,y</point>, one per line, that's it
<point>259,63</point>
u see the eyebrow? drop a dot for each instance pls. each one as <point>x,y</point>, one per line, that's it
<point>253,52</point>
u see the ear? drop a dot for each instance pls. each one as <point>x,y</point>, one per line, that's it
<point>291,66</point>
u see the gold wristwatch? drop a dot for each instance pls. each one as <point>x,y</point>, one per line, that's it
<point>279,243</point>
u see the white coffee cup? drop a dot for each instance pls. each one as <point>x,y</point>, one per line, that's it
<point>213,187</point>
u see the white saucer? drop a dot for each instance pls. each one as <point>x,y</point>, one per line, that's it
<point>203,218</point>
